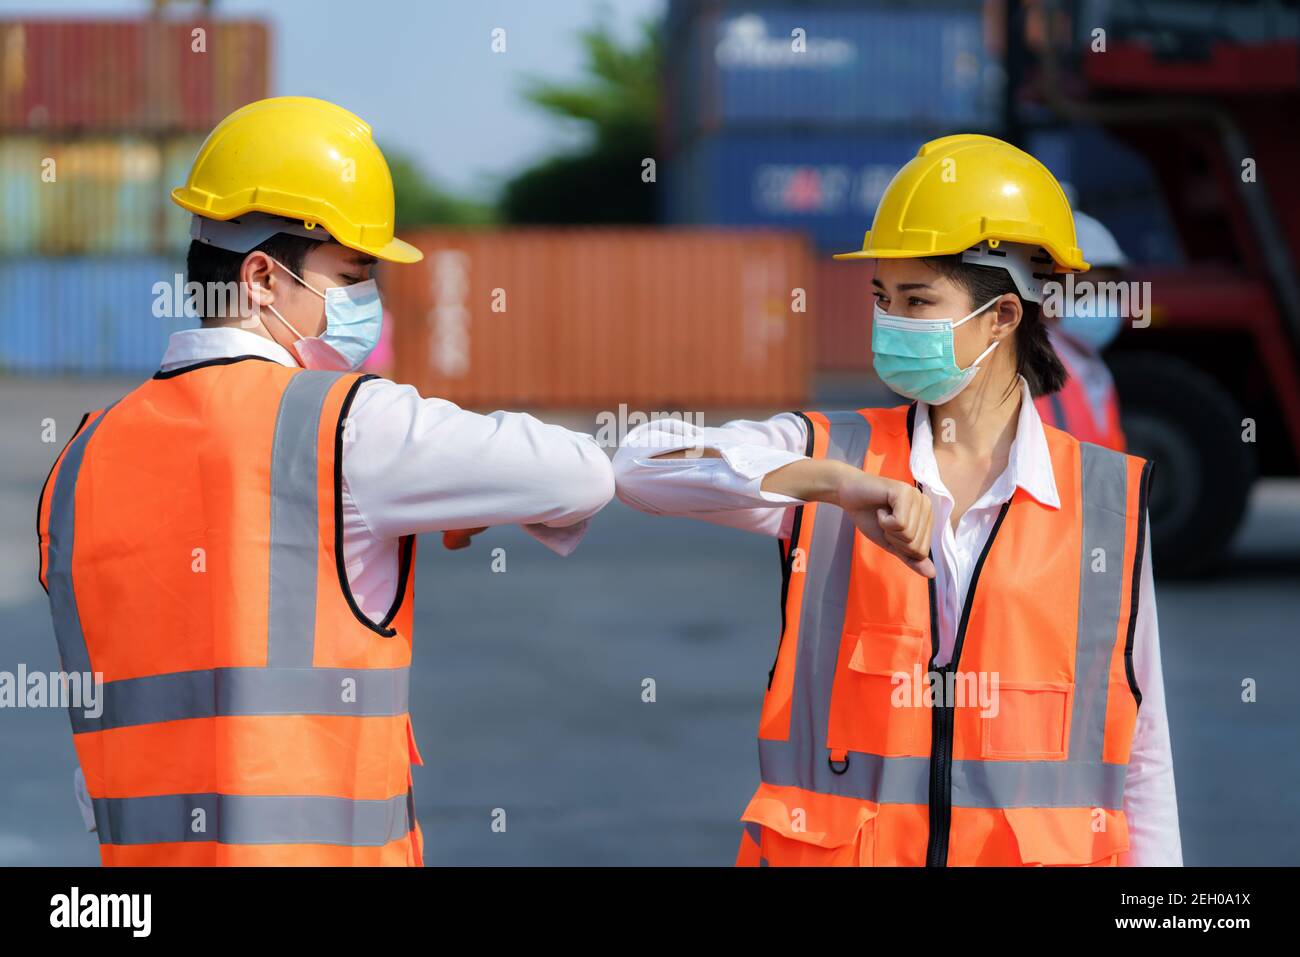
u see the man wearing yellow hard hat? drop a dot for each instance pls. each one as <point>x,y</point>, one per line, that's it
<point>232,544</point>
<point>967,670</point>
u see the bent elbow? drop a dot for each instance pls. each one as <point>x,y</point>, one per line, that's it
<point>587,486</point>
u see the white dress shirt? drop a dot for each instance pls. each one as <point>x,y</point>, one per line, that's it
<point>422,465</point>
<point>727,491</point>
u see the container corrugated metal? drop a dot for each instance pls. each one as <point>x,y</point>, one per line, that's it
<point>841,312</point>
<point>681,319</point>
<point>128,75</point>
<point>824,184</point>
<point>922,64</point>
<point>85,315</point>
<point>107,195</point>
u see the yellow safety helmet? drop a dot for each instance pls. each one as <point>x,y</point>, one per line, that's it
<point>303,159</point>
<point>972,192</point>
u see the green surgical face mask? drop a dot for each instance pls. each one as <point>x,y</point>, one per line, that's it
<point>914,357</point>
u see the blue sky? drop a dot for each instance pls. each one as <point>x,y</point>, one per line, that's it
<point>421,72</point>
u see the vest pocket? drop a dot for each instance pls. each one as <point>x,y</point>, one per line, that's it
<point>806,829</point>
<point>870,711</point>
<point>1067,837</point>
<point>1032,721</point>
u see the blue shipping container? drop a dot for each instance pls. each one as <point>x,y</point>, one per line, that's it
<point>921,65</point>
<point>87,315</point>
<point>825,184</point>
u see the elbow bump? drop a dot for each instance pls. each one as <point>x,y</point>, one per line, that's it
<point>590,487</point>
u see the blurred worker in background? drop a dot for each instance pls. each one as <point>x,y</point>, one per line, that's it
<point>1087,406</point>
<point>957,531</point>
<point>232,544</point>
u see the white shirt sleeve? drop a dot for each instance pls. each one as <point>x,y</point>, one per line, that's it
<point>1150,803</point>
<point>726,490</point>
<point>422,465</point>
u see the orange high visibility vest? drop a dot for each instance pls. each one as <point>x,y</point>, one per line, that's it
<point>192,548</point>
<point>854,774</point>
<point>1071,410</point>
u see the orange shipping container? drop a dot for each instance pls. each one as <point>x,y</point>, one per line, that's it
<point>591,318</point>
<point>842,310</point>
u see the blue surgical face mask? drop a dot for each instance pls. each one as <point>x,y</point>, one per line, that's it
<point>354,317</point>
<point>915,358</point>
<point>1092,327</point>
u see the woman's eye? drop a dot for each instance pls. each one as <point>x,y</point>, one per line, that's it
<point>350,280</point>
<point>914,301</point>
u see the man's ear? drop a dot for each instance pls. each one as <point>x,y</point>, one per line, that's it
<point>255,273</point>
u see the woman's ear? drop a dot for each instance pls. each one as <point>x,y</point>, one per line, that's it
<point>1006,317</point>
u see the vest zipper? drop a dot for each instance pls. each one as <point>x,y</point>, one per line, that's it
<point>941,720</point>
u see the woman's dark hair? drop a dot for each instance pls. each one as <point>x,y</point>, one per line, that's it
<point>207,264</point>
<point>1036,360</point>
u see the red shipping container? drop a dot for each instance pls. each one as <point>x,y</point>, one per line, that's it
<point>128,75</point>
<point>591,318</point>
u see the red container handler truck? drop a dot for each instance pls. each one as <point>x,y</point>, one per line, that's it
<point>1209,94</point>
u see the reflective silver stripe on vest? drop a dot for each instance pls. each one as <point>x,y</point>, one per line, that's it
<point>974,783</point>
<point>1101,587</point>
<point>228,692</point>
<point>295,521</point>
<point>801,760</point>
<point>58,565</point>
<point>253,819</point>
<point>1083,780</point>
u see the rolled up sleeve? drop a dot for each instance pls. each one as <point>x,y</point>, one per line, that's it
<point>726,489</point>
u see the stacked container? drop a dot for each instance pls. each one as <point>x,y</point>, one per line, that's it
<point>655,319</point>
<point>99,119</point>
<point>798,115</point>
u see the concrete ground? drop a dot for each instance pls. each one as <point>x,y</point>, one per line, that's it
<point>527,685</point>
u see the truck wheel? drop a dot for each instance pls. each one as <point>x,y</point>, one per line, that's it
<point>1189,426</point>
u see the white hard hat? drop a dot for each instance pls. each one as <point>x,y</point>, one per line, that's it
<point>1098,245</point>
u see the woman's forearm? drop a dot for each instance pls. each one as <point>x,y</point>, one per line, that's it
<point>812,480</point>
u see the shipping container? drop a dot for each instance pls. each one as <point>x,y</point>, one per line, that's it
<point>93,195</point>
<point>88,315</point>
<point>591,318</point>
<point>841,312</point>
<point>824,184</point>
<point>829,66</point>
<point>102,75</point>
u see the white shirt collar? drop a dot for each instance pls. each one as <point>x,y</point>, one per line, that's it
<point>220,342</point>
<point>1029,463</point>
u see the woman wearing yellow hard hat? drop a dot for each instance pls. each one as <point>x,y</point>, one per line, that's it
<point>231,545</point>
<point>968,671</point>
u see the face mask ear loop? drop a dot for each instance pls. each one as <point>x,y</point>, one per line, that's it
<point>980,358</point>
<point>981,309</point>
<point>285,321</point>
<point>295,276</point>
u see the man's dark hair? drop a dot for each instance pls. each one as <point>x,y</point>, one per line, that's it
<point>206,264</point>
<point>1036,360</point>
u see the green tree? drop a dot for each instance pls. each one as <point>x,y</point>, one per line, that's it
<point>617,101</point>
